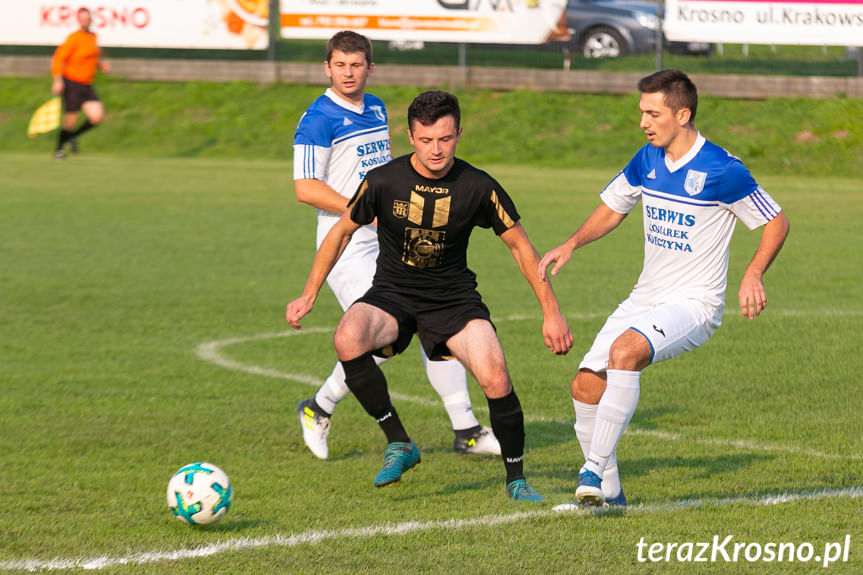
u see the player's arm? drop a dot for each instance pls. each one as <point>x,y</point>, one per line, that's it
<point>104,66</point>
<point>326,257</point>
<point>319,195</point>
<point>312,163</point>
<point>57,85</point>
<point>58,62</point>
<point>751,296</point>
<point>599,223</point>
<point>555,331</point>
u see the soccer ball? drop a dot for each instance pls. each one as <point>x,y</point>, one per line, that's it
<point>199,493</point>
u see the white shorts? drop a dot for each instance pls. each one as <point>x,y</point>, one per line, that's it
<point>352,275</point>
<point>670,328</point>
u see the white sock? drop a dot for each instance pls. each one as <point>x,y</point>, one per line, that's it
<point>335,389</point>
<point>585,420</point>
<point>449,380</point>
<point>611,487</point>
<point>613,413</point>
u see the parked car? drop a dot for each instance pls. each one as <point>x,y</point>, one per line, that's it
<point>610,28</point>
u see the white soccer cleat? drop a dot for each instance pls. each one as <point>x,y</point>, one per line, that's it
<point>481,442</point>
<point>316,428</point>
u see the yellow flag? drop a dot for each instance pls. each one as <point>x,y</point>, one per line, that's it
<point>45,119</point>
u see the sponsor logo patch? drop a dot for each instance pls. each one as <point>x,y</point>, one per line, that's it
<point>400,208</point>
<point>694,183</point>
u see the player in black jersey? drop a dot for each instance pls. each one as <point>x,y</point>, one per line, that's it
<point>426,205</point>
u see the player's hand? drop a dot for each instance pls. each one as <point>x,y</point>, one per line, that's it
<point>751,296</point>
<point>105,67</point>
<point>57,86</point>
<point>556,333</point>
<point>297,309</point>
<point>558,256</point>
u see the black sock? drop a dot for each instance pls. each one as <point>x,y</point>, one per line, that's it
<point>368,384</point>
<point>65,135</point>
<point>84,127</point>
<point>507,422</point>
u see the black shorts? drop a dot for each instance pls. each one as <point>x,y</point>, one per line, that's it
<point>75,94</point>
<point>433,317</point>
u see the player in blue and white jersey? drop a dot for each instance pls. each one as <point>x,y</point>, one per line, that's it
<point>342,136</point>
<point>692,193</point>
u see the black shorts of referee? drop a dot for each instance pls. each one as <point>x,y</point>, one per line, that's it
<point>75,94</point>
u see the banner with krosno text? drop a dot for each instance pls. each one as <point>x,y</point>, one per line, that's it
<point>813,22</point>
<point>469,21</point>
<point>225,24</point>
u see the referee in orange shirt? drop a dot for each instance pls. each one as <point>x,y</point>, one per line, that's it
<point>74,67</point>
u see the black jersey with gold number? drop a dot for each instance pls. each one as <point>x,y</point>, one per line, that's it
<point>424,225</point>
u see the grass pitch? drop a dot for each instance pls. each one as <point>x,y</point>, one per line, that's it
<point>124,283</point>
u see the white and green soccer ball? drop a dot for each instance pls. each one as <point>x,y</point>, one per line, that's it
<point>199,493</point>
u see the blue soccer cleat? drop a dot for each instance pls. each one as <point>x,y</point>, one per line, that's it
<point>618,500</point>
<point>398,458</point>
<point>589,490</point>
<point>519,490</point>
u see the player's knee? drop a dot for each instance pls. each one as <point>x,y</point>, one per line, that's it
<point>495,383</point>
<point>347,340</point>
<point>588,387</point>
<point>95,112</point>
<point>626,355</point>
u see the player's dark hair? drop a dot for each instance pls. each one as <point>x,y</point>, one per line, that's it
<point>677,89</point>
<point>349,42</point>
<point>431,106</point>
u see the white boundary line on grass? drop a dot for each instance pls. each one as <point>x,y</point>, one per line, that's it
<point>743,444</point>
<point>315,537</point>
<point>211,351</point>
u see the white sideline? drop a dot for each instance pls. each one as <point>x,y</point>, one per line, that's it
<point>314,537</point>
<point>742,444</point>
<point>211,351</point>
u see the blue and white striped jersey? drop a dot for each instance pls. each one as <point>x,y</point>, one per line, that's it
<point>690,208</point>
<point>338,142</point>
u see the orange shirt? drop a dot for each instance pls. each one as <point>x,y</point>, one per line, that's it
<point>77,58</point>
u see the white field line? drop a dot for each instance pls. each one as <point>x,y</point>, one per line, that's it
<point>819,312</point>
<point>315,537</point>
<point>742,444</point>
<point>212,352</point>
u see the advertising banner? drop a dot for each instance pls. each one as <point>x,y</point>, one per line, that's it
<point>468,21</point>
<point>237,24</point>
<point>813,22</point>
